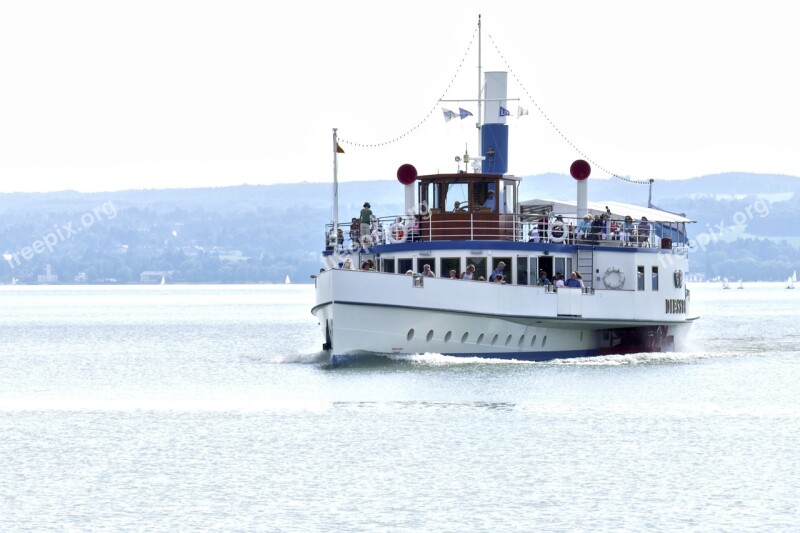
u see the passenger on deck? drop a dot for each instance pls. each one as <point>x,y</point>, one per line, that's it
<point>365,218</point>
<point>643,231</point>
<point>453,274</point>
<point>559,280</point>
<point>543,279</point>
<point>470,273</point>
<point>427,272</point>
<point>575,280</point>
<point>626,230</point>
<point>534,234</point>
<point>500,279</point>
<point>501,266</point>
<point>355,231</point>
<point>584,225</point>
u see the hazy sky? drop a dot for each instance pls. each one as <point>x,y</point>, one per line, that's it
<point>108,95</point>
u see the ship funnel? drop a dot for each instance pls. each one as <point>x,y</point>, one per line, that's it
<point>494,132</point>
<point>580,170</point>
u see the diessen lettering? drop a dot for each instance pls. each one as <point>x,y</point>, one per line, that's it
<point>675,306</point>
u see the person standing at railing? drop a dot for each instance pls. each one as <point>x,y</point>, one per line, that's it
<point>365,217</point>
<point>643,231</point>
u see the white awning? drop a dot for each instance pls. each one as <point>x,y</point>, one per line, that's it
<point>618,210</point>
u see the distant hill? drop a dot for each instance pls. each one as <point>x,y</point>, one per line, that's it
<point>261,233</point>
<point>352,195</point>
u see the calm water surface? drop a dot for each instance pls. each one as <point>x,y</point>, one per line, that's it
<point>210,408</point>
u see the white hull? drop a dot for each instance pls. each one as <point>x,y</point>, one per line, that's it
<point>484,319</point>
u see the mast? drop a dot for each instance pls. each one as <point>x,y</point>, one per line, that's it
<point>480,96</point>
<point>335,234</point>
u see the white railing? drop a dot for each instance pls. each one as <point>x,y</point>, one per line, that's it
<point>440,227</point>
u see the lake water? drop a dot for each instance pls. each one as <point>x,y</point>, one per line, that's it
<point>210,408</point>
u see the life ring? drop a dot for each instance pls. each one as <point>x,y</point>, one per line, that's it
<point>556,232</point>
<point>613,278</point>
<point>397,233</point>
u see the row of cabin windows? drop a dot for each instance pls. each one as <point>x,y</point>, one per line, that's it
<point>523,271</point>
<point>640,275</point>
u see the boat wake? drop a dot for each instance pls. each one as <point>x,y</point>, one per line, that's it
<point>647,358</point>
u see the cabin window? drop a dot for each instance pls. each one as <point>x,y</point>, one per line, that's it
<point>561,266</point>
<point>457,198</point>
<point>654,276</point>
<point>448,264</point>
<point>431,194</point>
<point>640,277</point>
<point>506,270</point>
<point>430,262</point>
<point>404,265</point>
<point>387,265</point>
<point>533,268</point>
<point>480,267</point>
<point>522,271</point>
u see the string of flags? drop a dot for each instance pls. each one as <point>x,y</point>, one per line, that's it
<point>449,114</point>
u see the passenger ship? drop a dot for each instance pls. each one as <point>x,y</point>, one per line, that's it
<point>633,297</point>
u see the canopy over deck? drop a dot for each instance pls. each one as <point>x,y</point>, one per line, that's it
<point>618,210</point>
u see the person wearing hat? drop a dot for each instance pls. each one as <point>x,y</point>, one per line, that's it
<point>489,202</point>
<point>366,219</point>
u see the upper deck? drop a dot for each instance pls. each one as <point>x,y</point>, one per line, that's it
<point>485,207</point>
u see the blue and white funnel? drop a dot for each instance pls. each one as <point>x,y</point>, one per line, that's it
<point>494,132</point>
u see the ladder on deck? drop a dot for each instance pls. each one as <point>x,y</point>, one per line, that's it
<point>586,266</point>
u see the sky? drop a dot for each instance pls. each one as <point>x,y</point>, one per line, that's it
<point>110,95</point>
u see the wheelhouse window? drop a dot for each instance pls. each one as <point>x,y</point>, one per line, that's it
<point>431,193</point>
<point>457,197</point>
<point>640,277</point>
<point>485,196</point>
<point>387,265</point>
<point>654,276</point>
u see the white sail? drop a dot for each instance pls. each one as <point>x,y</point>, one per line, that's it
<point>163,280</point>
<point>725,284</point>
<point>287,280</point>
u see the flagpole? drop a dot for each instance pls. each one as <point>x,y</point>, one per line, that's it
<point>335,190</point>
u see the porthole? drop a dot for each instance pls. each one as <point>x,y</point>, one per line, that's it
<point>430,336</point>
<point>521,341</point>
<point>544,341</point>
<point>533,341</point>
<point>464,337</point>
<point>450,334</point>
<point>410,334</point>
<point>508,340</point>
<point>494,339</point>
<point>480,339</point>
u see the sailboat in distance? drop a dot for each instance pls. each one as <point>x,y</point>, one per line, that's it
<point>791,279</point>
<point>725,284</point>
<point>287,281</point>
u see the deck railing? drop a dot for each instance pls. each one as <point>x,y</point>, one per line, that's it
<point>516,228</point>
